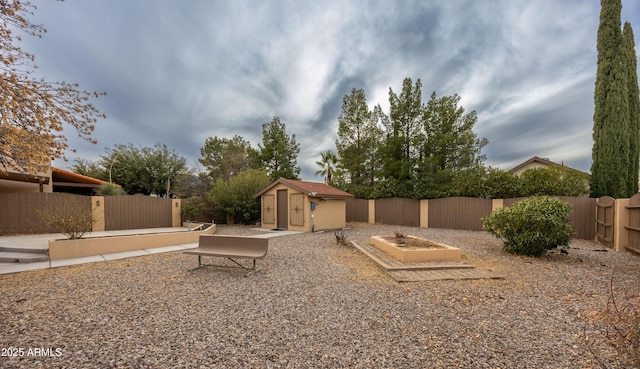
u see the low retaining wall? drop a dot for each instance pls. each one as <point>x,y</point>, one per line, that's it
<point>68,249</point>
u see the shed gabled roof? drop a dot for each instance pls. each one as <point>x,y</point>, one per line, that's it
<point>314,189</point>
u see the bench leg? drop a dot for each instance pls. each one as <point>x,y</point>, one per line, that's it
<point>200,265</point>
<point>253,270</point>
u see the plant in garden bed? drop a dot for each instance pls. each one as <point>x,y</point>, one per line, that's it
<point>400,238</point>
<point>532,226</point>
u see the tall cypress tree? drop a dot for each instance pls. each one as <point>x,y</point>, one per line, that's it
<point>610,153</point>
<point>634,108</point>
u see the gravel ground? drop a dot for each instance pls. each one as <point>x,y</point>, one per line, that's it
<point>312,305</point>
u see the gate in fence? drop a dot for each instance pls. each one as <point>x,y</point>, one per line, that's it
<point>634,224</point>
<point>605,220</point>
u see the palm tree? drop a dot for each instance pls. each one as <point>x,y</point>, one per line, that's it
<point>327,165</point>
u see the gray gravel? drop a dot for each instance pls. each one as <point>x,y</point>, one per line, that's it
<point>313,305</point>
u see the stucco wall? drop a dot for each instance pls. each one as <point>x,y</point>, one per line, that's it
<point>274,192</point>
<point>330,214</point>
<point>7,186</point>
<point>69,249</point>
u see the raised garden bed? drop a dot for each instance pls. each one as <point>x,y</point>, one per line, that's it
<point>416,249</point>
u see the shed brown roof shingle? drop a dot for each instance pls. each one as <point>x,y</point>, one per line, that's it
<point>316,188</point>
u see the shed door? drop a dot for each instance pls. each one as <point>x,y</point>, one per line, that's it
<point>283,208</point>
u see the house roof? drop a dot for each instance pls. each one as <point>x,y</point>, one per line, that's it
<point>535,159</point>
<point>23,177</point>
<point>314,189</point>
<point>65,176</point>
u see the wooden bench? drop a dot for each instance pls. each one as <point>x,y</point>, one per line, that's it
<point>230,247</point>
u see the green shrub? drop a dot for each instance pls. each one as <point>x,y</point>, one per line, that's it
<point>110,189</point>
<point>532,226</point>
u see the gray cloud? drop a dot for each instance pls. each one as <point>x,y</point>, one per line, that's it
<point>177,73</point>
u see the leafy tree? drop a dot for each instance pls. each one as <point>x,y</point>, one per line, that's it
<point>279,152</point>
<point>89,168</point>
<point>327,165</point>
<point>391,187</point>
<point>161,166</point>
<point>402,130</point>
<point>145,170</point>
<point>610,152</point>
<point>197,208</point>
<point>557,180</point>
<point>631,60</point>
<point>358,139</point>
<point>234,199</point>
<point>124,163</point>
<point>190,183</point>
<point>225,158</point>
<point>485,182</point>
<point>33,111</point>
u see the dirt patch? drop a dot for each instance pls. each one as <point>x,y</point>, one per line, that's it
<point>412,242</point>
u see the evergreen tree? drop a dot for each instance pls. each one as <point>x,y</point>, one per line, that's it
<point>225,158</point>
<point>634,108</point>
<point>449,141</point>
<point>399,154</point>
<point>610,153</point>
<point>357,141</point>
<point>279,152</point>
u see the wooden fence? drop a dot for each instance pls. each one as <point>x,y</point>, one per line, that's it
<point>398,211</point>
<point>132,212</point>
<point>357,210</point>
<point>19,211</point>
<point>633,227</point>
<point>460,212</point>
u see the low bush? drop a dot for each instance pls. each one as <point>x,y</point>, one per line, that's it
<point>70,220</point>
<point>532,226</point>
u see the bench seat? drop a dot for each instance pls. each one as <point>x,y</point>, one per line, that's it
<point>230,247</point>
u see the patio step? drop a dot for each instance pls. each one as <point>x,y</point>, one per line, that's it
<point>26,250</point>
<point>22,257</point>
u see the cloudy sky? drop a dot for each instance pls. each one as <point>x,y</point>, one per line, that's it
<point>177,72</point>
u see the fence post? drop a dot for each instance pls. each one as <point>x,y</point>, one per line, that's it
<point>176,207</point>
<point>97,209</point>
<point>496,204</point>
<point>621,219</point>
<point>424,213</point>
<point>372,211</point>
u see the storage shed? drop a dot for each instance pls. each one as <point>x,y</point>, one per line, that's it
<point>302,206</point>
